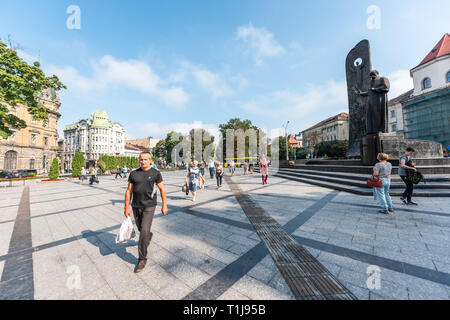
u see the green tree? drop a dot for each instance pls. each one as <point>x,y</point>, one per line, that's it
<point>282,150</point>
<point>236,124</point>
<point>21,83</point>
<point>172,139</point>
<point>101,165</point>
<point>54,169</point>
<point>206,139</point>
<point>301,153</point>
<point>77,163</point>
<point>160,149</point>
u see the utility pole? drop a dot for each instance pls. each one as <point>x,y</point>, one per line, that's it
<point>285,136</point>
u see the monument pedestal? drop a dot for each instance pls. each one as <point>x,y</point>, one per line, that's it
<point>392,143</point>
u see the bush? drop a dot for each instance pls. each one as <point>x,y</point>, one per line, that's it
<point>77,163</point>
<point>333,149</point>
<point>54,169</point>
<point>302,153</point>
<point>102,166</point>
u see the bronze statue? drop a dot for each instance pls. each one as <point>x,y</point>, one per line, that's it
<point>376,114</point>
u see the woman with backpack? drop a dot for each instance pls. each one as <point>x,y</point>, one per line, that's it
<point>383,170</point>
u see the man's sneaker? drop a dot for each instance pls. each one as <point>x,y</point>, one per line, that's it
<point>404,200</point>
<point>412,203</point>
<point>391,210</point>
<point>384,212</point>
<point>140,266</point>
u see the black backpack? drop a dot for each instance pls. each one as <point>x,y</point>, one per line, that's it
<point>412,176</point>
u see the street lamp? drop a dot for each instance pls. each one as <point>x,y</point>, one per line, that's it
<point>285,136</point>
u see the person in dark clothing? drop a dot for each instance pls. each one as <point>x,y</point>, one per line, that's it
<point>118,172</point>
<point>405,164</point>
<point>141,186</point>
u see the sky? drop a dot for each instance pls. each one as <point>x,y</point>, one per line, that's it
<point>159,66</point>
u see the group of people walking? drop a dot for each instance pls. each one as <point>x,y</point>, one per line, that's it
<point>383,170</point>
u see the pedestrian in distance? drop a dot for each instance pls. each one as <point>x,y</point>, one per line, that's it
<point>211,167</point>
<point>245,167</point>
<point>202,172</point>
<point>193,176</point>
<point>383,170</point>
<point>264,169</point>
<point>232,167</point>
<point>83,175</point>
<point>141,189</point>
<point>118,172</point>
<point>124,171</point>
<point>219,174</point>
<point>406,164</point>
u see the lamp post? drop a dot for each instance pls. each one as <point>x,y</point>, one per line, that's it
<point>285,136</point>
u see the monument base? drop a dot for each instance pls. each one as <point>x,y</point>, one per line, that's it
<point>392,143</point>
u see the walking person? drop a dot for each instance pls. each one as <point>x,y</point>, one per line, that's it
<point>245,167</point>
<point>83,175</point>
<point>383,170</point>
<point>250,167</point>
<point>264,169</point>
<point>118,172</point>
<point>211,167</point>
<point>141,188</point>
<point>406,164</point>
<point>124,171</point>
<point>93,176</point>
<point>232,167</point>
<point>219,174</point>
<point>202,172</point>
<point>193,177</point>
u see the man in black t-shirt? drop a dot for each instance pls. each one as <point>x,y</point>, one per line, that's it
<point>141,186</point>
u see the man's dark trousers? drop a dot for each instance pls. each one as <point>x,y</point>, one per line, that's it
<point>144,219</point>
<point>409,189</point>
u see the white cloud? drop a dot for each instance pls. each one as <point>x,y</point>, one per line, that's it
<point>401,82</point>
<point>209,81</point>
<point>301,107</point>
<point>260,41</point>
<point>109,71</point>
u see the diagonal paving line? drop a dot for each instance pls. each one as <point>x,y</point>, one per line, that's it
<point>17,282</point>
<point>305,275</point>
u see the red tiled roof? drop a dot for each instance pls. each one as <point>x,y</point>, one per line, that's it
<point>441,49</point>
<point>292,139</point>
<point>402,98</point>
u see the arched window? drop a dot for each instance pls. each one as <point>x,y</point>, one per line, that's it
<point>10,160</point>
<point>426,83</point>
<point>448,76</point>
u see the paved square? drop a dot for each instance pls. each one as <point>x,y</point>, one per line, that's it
<point>58,242</point>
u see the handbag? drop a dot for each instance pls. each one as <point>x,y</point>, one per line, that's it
<point>374,182</point>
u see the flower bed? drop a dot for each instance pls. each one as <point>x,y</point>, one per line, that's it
<point>49,180</point>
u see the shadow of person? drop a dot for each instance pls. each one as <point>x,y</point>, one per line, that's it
<point>106,243</point>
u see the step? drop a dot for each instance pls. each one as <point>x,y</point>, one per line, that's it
<point>363,176</point>
<point>363,191</point>
<point>362,182</point>
<point>417,161</point>
<point>367,169</point>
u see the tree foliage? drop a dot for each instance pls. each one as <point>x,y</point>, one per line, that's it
<point>54,169</point>
<point>333,149</point>
<point>21,83</point>
<point>77,163</point>
<point>282,150</point>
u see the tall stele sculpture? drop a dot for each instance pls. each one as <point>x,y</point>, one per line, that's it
<point>368,109</point>
<point>358,66</point>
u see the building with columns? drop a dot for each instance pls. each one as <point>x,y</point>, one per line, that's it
<point>35,146</point>
<point>93,138</point>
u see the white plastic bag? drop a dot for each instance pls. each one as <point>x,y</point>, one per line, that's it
<point>126,231</point>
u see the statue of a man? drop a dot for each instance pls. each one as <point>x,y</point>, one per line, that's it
<point>376,115</point>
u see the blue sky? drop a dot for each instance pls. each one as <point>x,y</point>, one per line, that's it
<point>157,66</point>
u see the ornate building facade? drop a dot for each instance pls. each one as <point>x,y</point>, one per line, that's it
<point>93,138</point>
<point>35,146</point>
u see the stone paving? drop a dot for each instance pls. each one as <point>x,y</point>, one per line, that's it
<point>208,249</point>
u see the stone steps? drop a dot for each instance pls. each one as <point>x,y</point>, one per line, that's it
<point>426,170</point>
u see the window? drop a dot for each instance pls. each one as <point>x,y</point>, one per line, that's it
<point>46,141</point>
<point>448,76</point>
<point>33,139</point>
<point>393,114</point>
<point>426,83</point>
<point>394,127</point>
<point>31,164</point>
<point>12,137</point>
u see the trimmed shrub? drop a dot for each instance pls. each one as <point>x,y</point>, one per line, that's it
<point>77,163</point>
<point>54,169</point>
